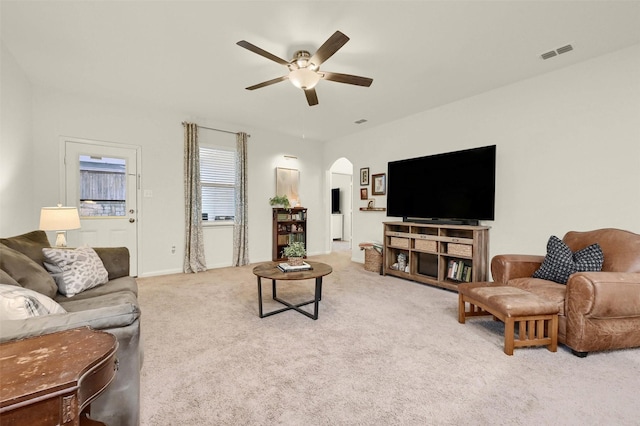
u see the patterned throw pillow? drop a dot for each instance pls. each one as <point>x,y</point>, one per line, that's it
<point>75,270</point>
<point>560,262</point>
<point>20,303</point>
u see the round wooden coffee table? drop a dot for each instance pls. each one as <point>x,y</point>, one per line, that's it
<point>271,271</point>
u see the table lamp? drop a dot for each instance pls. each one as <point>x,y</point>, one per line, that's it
<point>59,219</point>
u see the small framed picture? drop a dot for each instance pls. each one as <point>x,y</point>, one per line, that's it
<point>379,185</point>
<point>364,193</point>
<point>364,176</point>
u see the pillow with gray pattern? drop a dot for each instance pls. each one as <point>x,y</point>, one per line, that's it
<point>560,262</point>
<point>18,303</point>
<point>75,270</point>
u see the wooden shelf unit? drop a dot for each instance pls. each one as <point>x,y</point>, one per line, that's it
<point>431,249</point>
<point>289,225</point>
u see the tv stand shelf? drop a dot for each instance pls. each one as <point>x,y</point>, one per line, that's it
<point>437,254</point>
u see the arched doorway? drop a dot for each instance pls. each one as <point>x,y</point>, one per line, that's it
<point>341,185</point>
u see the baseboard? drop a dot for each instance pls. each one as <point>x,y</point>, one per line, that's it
<point>163,272</point>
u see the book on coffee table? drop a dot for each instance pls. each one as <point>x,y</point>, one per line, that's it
<point>285,267</point>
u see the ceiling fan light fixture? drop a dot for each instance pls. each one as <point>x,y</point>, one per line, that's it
<point>301,58</point>
<point>304,78</point>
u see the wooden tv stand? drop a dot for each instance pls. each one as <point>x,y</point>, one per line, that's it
<point>437,254</point>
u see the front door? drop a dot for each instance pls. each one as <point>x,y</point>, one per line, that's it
<point>102,181</point>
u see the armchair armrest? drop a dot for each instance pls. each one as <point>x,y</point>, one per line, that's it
<point>115,259</point>
<point>505,267</point>
<point>600,295</point>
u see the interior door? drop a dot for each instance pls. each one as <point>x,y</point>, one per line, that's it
<point>102,181</point>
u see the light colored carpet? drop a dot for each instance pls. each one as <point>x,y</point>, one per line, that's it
<point>384,351</point>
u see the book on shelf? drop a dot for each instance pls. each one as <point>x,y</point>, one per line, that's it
<point>283,240</point>
<point>285,267</point>
<point>459,271</point>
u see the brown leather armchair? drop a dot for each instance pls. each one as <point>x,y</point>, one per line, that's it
<point>598,310</point>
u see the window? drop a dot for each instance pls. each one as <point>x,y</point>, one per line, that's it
<point>218,179</point>
<point>103,186</point>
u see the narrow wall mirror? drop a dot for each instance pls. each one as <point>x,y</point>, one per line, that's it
<point>287,181</point>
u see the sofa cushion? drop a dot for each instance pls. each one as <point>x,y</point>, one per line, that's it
<point>7,279</point>
<point>75,270</point>
<point>26,272</point>
<point>106,311</point>
<point>21,303</point>
<point>549,290</point>
<point>560,262</point>
<point>29,244</point>
<point>113,286</point>
<point>113,312</point>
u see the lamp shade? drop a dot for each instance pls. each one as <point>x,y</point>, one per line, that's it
<point>304,78</point>
<point>59,218</point>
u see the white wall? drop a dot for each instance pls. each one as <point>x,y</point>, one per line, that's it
<point>160,135</point>
<point>18,213</point>
<point>568,152</point>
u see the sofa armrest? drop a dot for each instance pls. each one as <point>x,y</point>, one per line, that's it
<point>505,267</point>
<point>115,259</point>
<point>103,318</point>
<point>600,295</point>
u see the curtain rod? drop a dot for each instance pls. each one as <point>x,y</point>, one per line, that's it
<point>215,130</point>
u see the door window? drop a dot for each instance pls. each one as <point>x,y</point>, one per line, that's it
<point>103,186</point>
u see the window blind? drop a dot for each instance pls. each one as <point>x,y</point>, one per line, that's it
<point>217,179</point>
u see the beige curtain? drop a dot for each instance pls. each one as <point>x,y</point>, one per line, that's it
<point>194,260</point>
<point>240,226</point>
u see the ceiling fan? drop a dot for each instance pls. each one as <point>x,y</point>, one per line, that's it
<point>304,69</point>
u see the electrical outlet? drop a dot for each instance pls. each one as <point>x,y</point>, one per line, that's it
<point>173,249</point>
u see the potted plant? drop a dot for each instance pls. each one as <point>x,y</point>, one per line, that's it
<point>280,200</point>
<point>294,253</point>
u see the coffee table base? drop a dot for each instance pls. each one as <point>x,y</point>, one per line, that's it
<point>290,306</point>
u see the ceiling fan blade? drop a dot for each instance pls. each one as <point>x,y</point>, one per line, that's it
<point>261,52</point>
<point>346,78</point>
<point>331,46</point>
<point>268,82</point>
<point>312,97</point>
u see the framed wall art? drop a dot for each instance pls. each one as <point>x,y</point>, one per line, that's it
<point>287,182</point>
<point>364,176</point>
<point>364,193</point>
<point>379,185</point>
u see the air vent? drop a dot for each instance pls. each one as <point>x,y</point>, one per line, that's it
<point>564,49</point>
<point>362,120</point>
<point>548,55</point>
<point>559,51</point>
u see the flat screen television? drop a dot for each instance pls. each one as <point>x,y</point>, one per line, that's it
<point>335,200</point>
<point>453,187</point>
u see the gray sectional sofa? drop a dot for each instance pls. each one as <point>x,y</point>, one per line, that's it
<point>111,307</point>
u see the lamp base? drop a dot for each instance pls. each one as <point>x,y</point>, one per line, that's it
<point>61,239</point>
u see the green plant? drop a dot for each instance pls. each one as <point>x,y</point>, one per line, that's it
<point>279,200</point>
<point>295,249</point>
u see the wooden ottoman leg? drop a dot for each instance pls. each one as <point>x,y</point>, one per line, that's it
<point>461,308</point>
<point>509,335</point>
<point>553,334</point>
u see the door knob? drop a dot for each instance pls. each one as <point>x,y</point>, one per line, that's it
<point>131,220</point>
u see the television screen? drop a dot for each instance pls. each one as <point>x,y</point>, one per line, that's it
<point>453,186</point>
<point>335,200</point>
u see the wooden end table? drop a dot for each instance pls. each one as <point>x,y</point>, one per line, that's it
<point>52,379</point>
<point>270,271</point>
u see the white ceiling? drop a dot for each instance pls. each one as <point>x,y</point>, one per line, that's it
<point>182,55</point>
